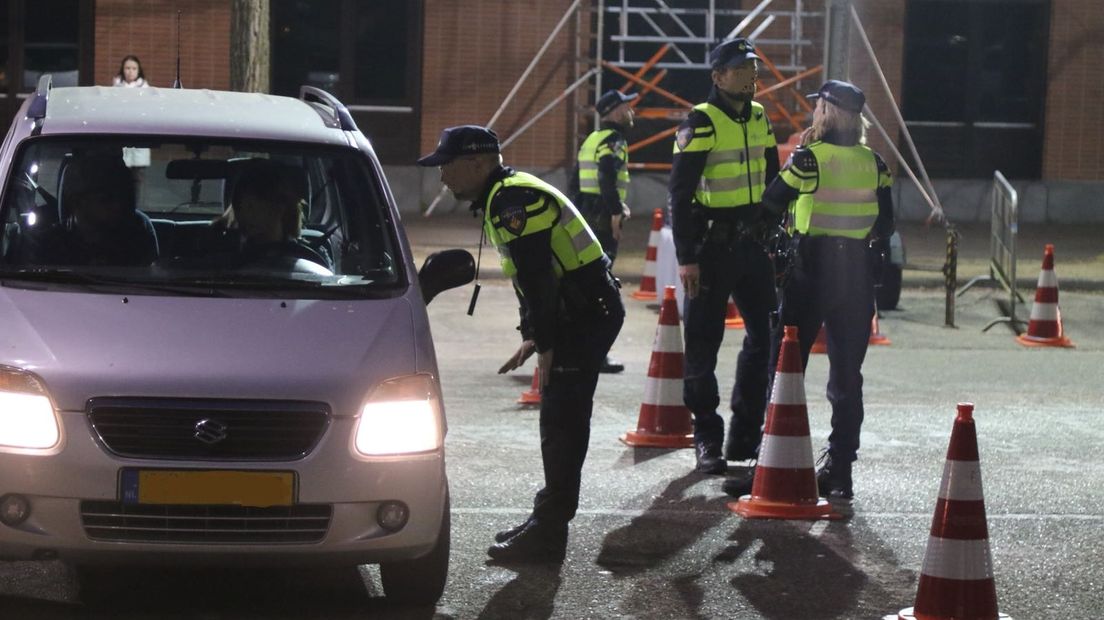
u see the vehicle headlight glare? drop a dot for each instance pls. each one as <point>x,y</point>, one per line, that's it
<point>401,417</point>
<point>27,419</point>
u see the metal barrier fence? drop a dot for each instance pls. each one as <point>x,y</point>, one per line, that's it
<point>1004,224</point>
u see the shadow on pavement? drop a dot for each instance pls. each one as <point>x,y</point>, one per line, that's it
<point>530,595</point>
<point>651,538</point>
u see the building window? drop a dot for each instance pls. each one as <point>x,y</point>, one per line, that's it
<point>368,54</point>
<point>974,85</point>
<point>51,43</point>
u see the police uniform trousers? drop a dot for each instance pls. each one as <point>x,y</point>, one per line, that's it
<point>833,286</point>
<point>594,212</point>
<point>582,341</point>
<point>731,266</point>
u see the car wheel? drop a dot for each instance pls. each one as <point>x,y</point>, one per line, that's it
<point>422,580</point>
<point>889,293</point>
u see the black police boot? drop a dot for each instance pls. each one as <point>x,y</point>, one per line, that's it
<point>739,447</point>
<point>834,478</point>
<point>611,366</point>
<point>505,535</point>
<point>740,484</point>
<point>708,454</point>
<point>536,543</point>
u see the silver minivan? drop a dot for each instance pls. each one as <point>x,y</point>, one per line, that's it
<point>214,346</point>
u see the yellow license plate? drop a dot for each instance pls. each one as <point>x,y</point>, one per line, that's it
<point>237,488</point>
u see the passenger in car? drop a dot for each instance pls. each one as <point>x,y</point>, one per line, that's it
<point>98,221</point>
<point>267,207</point>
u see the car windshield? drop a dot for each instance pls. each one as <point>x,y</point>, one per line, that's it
<point>188,216</point>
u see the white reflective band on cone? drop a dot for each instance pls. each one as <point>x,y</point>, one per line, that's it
<point>789,389</point>
<point>1044,312</point>
<point>1048,279</point>
<point>665,392</point>
<point>649,268</point>
<point>668,339</point>
<point>961,560</point>
<point>965,478</point>
<point>786,452</point>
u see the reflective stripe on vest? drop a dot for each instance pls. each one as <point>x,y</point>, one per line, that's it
<point>593,149</point>
<point>845,203</point>
<point>573,243</point>
<point>735,169</point>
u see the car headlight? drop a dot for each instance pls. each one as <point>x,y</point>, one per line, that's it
<point>401,416</point>
<point>27,418</point>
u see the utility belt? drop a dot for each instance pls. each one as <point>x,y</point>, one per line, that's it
<point>590,290</point>
<point>724,226</point>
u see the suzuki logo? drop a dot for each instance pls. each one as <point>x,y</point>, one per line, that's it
<point>210,431</point>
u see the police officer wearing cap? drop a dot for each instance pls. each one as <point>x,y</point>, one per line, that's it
<point>836,194</point>
<point>571,313</point>
<point>601,179</point>
<point>724,156</point>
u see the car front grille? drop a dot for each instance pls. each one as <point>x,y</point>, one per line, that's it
<point>208,430</point>
<point>227,525</point>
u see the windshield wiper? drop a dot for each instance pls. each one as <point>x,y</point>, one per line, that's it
<point>94,282</point>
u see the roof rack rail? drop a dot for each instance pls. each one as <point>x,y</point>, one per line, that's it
<point>341,115</point>
<point>41,97</point>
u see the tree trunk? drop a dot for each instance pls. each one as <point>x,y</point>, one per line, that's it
<point>249,46</point>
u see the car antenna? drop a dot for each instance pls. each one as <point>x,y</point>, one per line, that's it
<point>176,83</point>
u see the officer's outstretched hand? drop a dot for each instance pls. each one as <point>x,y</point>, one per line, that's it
<point>690,275</point>
<point>518,358</point>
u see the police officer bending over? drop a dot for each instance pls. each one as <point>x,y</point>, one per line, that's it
<point>837,193</point>
<point>724,156</point>
<point>571,313</point>
<point>601,179</point>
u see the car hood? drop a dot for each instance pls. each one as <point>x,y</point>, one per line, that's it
<point>91,345</point>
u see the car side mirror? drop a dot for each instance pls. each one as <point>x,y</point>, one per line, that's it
<point>444,270</point>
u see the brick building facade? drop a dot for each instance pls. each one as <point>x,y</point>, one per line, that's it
<point>475,50</point>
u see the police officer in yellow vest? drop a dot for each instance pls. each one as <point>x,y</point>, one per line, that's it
<point>838,197</point>
<point>724,156</point>
<point>571,313</point>
<point>600,181</point>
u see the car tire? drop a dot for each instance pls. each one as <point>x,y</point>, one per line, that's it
<point>889,293</point>
<point>420,581</point>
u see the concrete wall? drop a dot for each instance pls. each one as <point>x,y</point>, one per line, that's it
<point>965,201</point>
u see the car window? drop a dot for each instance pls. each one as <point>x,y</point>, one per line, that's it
<point>235,217</point>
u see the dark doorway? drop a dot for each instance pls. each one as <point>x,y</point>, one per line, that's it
<point>975,85</point>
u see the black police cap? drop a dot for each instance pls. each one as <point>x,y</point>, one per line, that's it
<point>732,53</point>
<point>843,94</point>
<point>461,140</point>
<point>610,100</point>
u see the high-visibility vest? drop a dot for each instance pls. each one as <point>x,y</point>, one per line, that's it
<point>573,243</point>
<point>844,202</point>
<point>594,148</point>
<point>735,169</point>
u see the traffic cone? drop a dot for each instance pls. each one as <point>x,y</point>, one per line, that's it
<point>1045,327</point>
<point>647,290</point>
<point>785,484</point>
<point>956,580</point>
<point>532,395</point>
<point>820,345</point>
<point>876,336</point>
<point>664,420</point>
<point>733,320</point>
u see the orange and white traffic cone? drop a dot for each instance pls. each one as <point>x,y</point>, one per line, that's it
<point>664,420</point>
<point>733,320</point>
<point>820,345</point>
<point>876,335</point>
<point>785,484</point>
<point>647,291</point>
<point>1045,328</point>
<point>532,395</point>
<point>956,580</point>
